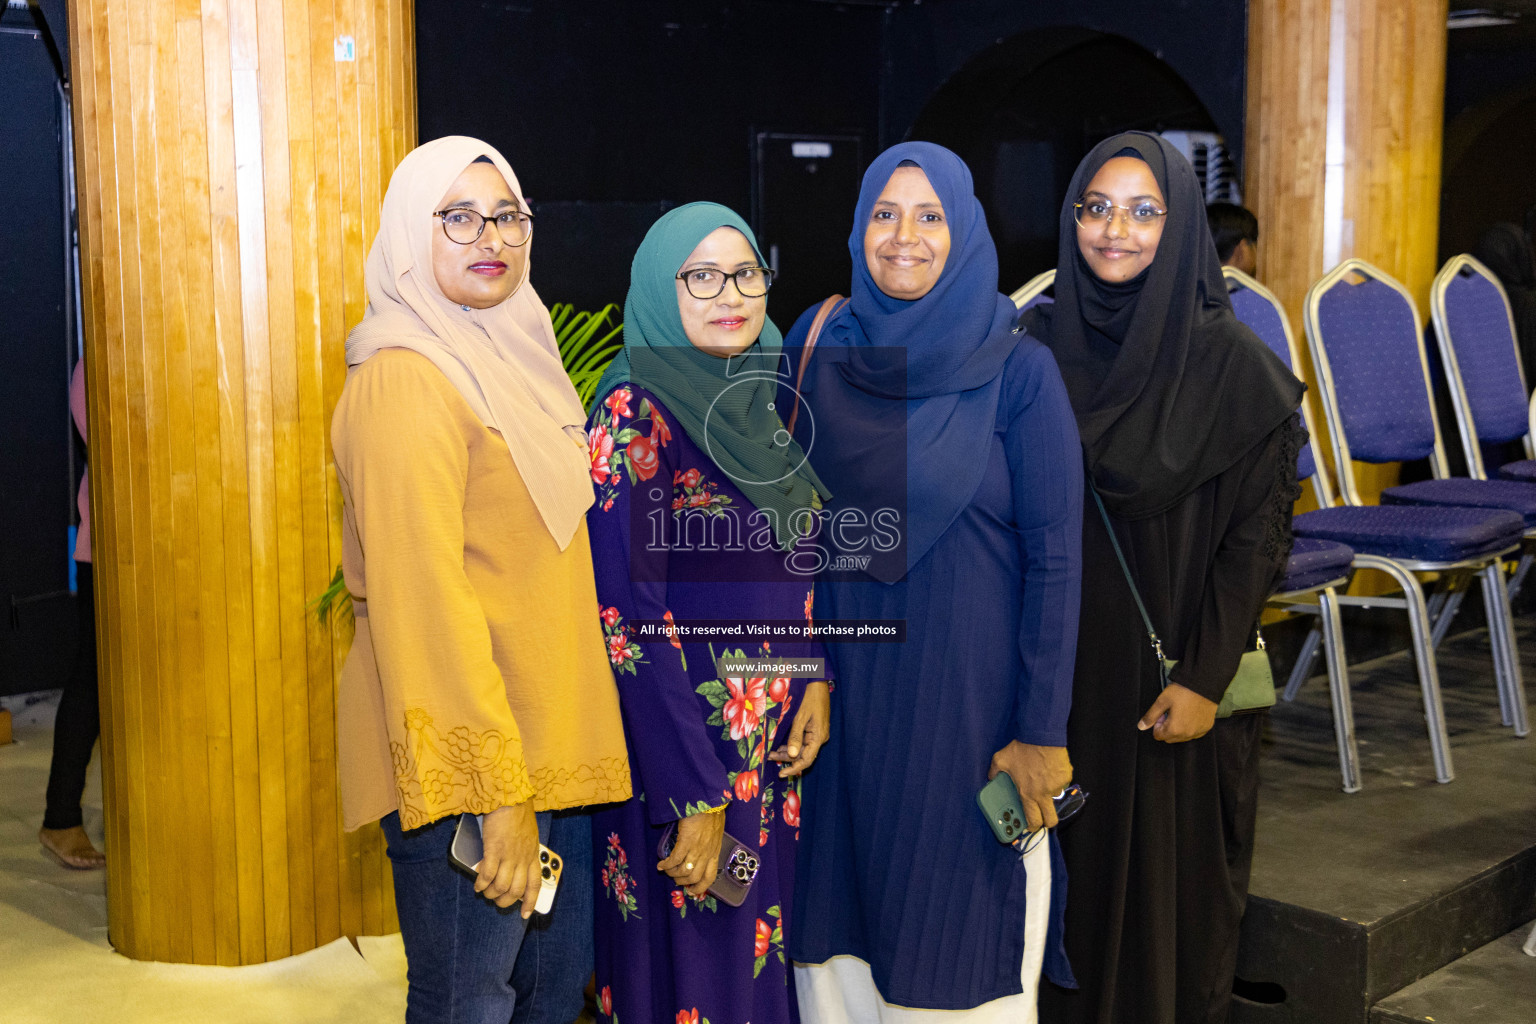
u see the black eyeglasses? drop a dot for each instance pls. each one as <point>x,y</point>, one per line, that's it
<point>465,226</point>
<point>1068,802</point>
<point>707,283</point>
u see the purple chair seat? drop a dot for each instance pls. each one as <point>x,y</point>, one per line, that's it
<point>1467,493</point>
<point>1523,471</point>
<point>1314,562</point>
<point>1416,532</point>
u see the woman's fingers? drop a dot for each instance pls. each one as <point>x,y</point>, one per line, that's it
<point>485,871</point>
<point>528,892</point>
<point>508,875</point>
<point>1156,713</point>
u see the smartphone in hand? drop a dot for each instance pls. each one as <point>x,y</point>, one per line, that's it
<point>468,849</point>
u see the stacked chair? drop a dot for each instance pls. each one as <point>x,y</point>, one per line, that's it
<point>1476,338</point>
<point>1370,362</point>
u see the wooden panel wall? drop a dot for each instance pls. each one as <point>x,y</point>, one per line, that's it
<point>1391,69</point>
<point>231,170</point>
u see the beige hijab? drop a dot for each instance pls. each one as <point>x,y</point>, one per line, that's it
<point>503,360</point>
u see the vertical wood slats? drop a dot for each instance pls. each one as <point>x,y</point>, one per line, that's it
<point>231,172</point>
<point>1394,73</point>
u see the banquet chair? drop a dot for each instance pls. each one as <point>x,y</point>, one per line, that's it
<point>1369,360</point>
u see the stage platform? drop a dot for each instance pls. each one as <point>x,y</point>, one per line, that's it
<point>1357,897</point>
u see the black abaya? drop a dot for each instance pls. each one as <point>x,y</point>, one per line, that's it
<point>1160,856</point>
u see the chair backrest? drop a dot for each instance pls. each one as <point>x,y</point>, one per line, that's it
<point>1033,292</point>
<point>1258,307</point>
<point>1373,376</point>
<point>1475,331</point>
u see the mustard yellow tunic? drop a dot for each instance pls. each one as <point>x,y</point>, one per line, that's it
<point>478,676</point>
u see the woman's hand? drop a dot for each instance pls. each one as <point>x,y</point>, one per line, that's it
<point>811,728</point>
<point>509,868</point>
<point>1178,715</point>
<point>1038,773</point>
<point>695,856</point>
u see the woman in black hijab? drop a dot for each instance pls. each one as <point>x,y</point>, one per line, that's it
<point>1505,249</point>
<point>1190,431</point>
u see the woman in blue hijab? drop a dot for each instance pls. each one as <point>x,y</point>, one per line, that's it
<point>950,446</point>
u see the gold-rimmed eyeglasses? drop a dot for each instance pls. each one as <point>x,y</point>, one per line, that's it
<point>1094,211</point>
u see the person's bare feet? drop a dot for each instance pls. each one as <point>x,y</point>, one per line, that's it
<point>72,848</point>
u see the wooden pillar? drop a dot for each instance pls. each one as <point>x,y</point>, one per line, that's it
<point>1345,114</point>
<point>232,156</point>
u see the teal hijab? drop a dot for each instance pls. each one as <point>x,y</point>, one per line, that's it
<point>724,405</point>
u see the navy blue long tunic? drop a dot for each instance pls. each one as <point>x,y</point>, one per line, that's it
<point>898,867</point>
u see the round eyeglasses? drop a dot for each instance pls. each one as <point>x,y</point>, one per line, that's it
<point>708,283</point>
<point>466,226</point>
<point>1092,213</point>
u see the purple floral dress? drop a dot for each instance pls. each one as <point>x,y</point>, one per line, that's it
<point>696,740</point>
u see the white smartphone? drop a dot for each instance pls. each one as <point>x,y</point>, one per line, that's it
<point>469,848</point>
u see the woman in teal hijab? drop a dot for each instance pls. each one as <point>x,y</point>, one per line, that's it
<point>706,511</point>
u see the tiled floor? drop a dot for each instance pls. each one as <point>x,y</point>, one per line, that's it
<point>57,968</point>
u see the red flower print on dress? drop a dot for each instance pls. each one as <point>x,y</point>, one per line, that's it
<point>671,630</point>
<point>619,403</point>
<point>689,479</point>
<point>778,689</point>
<point>746,785</point>
<point>618,649</point>
<point>616,880</point>
<point>764,936</point>
<point>677,898</point>
<point>623,652</point>
<point>810,599</point>
<point>642,457</point>
<point>792,809</point>
<point>686,1017</point>
<point>605,1001</point>
<point>746,705</point>
<point>660,432</point>
<point>608,505</point>
<point>600,450</point>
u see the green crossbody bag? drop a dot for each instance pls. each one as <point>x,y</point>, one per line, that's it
<point>1252,689</point>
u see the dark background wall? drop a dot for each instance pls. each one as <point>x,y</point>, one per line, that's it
<point>36,445</point>
<point>1490,130</point>
<point>614,110</point>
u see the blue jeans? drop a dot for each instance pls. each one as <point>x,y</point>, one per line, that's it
<point>471,962</point>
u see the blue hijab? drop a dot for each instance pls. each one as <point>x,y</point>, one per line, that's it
<point>941,355</point>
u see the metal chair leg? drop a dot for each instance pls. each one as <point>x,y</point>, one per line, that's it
<point>1496,645</point>
<point>1338,685</point>
<point>1530,943</point>
<point>1429,676</point>
<point>1518,579</point>
<point>1447,615</point>
<point>1501,635</point>
<point>1302,670</point>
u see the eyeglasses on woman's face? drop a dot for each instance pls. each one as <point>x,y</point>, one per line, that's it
<point>708,282</point>
<point>1094,211</point>
<point>465,226</point>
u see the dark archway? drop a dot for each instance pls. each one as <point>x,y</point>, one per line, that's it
<point>1023,112</point>
<point>1486,177</point>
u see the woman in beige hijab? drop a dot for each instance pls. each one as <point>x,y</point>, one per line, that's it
<point>478,682</point>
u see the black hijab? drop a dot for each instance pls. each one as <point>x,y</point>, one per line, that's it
<point>1169,388</point>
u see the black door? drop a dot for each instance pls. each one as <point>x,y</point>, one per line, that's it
<point>803,191</point>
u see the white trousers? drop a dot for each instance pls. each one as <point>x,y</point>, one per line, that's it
<point>842,990</point>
